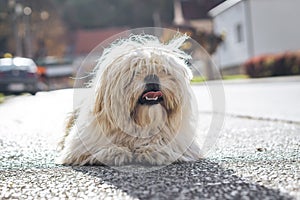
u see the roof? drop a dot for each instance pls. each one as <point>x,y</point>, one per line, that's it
<point>198,9</point>
<point>222,7</point>
<point>87,40</point>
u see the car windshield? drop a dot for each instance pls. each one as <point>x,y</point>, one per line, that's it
<point>7,64</point>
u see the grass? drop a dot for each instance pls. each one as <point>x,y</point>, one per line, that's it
<point>2,98</point>
<point>237,76</point>
<point>200,79</point>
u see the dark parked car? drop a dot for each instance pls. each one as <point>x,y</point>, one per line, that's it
<point>18,75</point>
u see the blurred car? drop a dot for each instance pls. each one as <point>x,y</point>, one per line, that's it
<point>18,75</point>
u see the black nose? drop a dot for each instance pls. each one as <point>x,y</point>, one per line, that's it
<point>152,82</point>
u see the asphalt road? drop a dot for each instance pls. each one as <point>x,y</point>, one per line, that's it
<point>255,156</point>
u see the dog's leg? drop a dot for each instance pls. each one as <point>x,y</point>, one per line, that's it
<point>112,155</point>
<point>69,124</point>
<point>155,155</point>
<point>109,155</point>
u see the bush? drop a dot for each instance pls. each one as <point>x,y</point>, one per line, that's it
<point>273,65</point>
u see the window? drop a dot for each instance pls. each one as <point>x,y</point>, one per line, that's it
<point>239,33</point>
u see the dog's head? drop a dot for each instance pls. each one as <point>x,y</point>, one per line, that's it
<point>143,86</point>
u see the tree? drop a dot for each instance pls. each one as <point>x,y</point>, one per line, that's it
<point>90,14</point>
<point>42,25</point>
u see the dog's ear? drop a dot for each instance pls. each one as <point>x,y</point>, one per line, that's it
<point>100,94</point>
<point>98,105</point>
<point>100,89</point>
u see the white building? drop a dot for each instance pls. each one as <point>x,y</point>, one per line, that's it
<point>255,27</point>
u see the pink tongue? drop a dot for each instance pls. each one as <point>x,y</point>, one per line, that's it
<point>153,94</point>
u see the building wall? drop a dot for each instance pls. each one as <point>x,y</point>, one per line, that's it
<point>268,26</point>
<point>276,25</point>
<point>232,23</point>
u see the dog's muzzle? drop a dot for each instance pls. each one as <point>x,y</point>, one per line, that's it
<point>152,93</point>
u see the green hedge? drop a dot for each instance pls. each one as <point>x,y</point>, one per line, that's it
<point>273,65</point>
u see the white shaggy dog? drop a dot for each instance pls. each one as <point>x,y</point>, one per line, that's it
<point>140,109</point>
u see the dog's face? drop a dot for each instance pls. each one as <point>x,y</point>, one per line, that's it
<point>143,92</point>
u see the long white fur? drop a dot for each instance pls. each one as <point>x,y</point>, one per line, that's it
<point>109,127</point>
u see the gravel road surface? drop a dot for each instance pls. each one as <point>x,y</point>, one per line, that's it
<point>253,158</point>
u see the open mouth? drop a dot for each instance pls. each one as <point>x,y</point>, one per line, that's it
<point>151,97</point>
<point>152,93</point>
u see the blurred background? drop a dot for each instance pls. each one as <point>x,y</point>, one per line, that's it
<point>245,38</point>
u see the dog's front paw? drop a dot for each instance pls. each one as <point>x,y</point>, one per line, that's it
<point>113,156</point>
<point>152,156</point>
